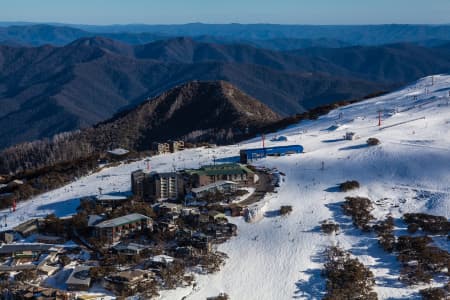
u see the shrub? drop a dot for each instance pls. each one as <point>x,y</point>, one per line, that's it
<point>359,209</point>
<point>373,142</point>
<point>385,234</point>
<point>285,210</point>
<point>408,243</point>
<point>53,225</point>
<point>386,226</point>
<point>100,272</point>
<point>413,228</point>
<point>347,278</point>
<point>222,296</point>
<point>65,260</point>
<point>26,276</point>
<point>239,193</point>
<point>433,294</point>
<point>387,241</point>
<point>428,223</point>
<point>80,223</point>
<point>329,227</point>
<point>349,185</point>
<point>413,275</point>
<point>420,260</point>
<point>212,262</point>
<point>173,275</point>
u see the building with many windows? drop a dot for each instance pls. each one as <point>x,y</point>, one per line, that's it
<point>176,146</point>
<point>161,148</point>
<point>157,186</point>
<point>168,147</point>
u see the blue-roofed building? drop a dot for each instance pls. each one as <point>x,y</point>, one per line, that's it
<point>258,153</point>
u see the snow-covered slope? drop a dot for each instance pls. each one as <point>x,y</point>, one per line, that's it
<point>280,257</point>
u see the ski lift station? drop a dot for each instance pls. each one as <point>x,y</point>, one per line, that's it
<point>247,155</point>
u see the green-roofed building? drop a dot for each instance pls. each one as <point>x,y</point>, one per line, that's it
<point>230,172</point>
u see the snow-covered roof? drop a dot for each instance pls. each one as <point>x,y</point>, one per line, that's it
<point>130,246</point>
<point>214,185</point>
<point>168,205</point>
<point>111,197</point>
<point>162,259</point>
<point>130,275</point>
<point>79,276</point>
<point>94,219</point>
<point>17,247</point>
<point>131,218</point>
<point>118,151</point>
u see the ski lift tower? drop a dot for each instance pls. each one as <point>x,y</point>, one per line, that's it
<point>379,117</point>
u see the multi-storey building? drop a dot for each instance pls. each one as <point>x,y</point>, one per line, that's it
<point>161,148</point>
<point>168,147</point>
<point>157,186</point>
<point>176,146</point>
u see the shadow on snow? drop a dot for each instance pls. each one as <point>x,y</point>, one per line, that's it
<point>355,147</point>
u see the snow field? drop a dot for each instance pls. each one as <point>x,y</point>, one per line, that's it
<point>280,257</point>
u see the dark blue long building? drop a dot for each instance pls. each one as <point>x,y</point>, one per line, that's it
<point>252,154</point>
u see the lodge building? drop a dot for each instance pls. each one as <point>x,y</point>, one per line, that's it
<point>115,229</point>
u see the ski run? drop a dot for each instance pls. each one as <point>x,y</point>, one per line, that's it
<point>281,257</point>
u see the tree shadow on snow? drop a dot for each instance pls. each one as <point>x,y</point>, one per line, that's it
<point>272,213</point>
<point>333,189</point>
<point>345,222</point>
<point>61,209</point>
<point>315,229</point>
<point>313,288</point>
<point>126,194</point>
<point>384,260</point>
<point>356,147</point>
<point>231,159</point>
<point>333,141</point>
<point>338,214</point>
<point>442,90</point>
<point>368,246</point>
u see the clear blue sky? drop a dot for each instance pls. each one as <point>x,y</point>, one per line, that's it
<point>227,11</point>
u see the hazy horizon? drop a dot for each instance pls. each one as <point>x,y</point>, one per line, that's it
<point>53,23</point>
<point>178,12</point>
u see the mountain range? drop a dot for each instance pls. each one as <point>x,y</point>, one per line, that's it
<point>46,90</point>
<point>213,111</point>
<point>269,36</point>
